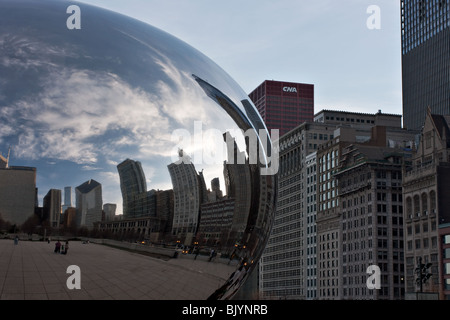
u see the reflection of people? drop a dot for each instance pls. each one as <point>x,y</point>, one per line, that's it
<point>66,247</point>
<point>235,278</point>
<point>212,254</point>
<point>57,247</point>
<point>196,252</point>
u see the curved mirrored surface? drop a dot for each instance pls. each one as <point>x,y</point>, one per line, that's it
<point>114,131</point>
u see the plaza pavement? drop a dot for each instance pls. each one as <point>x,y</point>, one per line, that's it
<point>31,270</point>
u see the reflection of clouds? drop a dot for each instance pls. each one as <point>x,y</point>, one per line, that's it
<point>24,53</point>
<point>96,119</point>
<point>81,111</point>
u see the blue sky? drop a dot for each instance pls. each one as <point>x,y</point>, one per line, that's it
<point>323,42</point>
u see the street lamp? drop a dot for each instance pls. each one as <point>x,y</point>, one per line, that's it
<point>423,273</point>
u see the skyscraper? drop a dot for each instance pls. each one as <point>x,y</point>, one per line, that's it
<point>284,105</point>
<point>52,207</point>
<point>89,203</point>
<point>17,193</point>
<point>133,187</point>
<point>67,198</point>
<point>188,190</point>
<point>425,28</point>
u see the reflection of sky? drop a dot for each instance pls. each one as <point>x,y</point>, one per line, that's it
<point>74,104</point>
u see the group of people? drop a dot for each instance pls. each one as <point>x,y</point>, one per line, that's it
<point>61,247</point>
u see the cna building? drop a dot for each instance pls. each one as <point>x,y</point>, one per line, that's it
<point>425,32</point>
<point>284,105</point>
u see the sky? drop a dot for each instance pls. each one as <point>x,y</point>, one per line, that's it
<point>324,42</point>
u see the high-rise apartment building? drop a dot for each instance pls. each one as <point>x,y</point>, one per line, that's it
<point>284,105</point>
<point>425,31</point>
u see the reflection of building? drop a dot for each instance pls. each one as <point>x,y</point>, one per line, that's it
<point>69,217</point>
<point>164,211</point>
<point>426,186</point>
<point>67,198</point>
<point>155,227</point>
<point>89,203</point>
<point>134,188</point>
<point>189,192</point>
<point>52,207</point>
<point>238,186</point>
<point>110,211</point>
<point>425,59</point>
<point>284,105</point>
<point>17,193</point>
<point>215,222</point>
<point>215,188</point>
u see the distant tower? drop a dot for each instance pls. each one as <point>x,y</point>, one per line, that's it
<point>215,187</point>
<point>67,198</point>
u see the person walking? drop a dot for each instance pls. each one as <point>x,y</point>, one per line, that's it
<point>16,240</point>
<point>57,247</point>
<point>66,247</point>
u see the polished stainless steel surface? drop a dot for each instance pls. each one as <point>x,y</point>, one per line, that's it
<point>139,125</point>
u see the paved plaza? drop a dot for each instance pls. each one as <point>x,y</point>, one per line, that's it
<point>31,270</point>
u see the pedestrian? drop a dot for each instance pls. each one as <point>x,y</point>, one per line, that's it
<point>196,252</point>
<point>66,247</point>
<point>16,240</point>
<point>57,247</point>
<point>212,254</point>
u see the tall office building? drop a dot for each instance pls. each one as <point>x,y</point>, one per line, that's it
<point>52,207</point>
<point>89,203</point>
<point>284,105</point>
<point>188,188</point>
<point>17,193</point>
<point>288,258</point>
<point>133,187</point>
<point>425,28</point>
<point>67,199</point>
<point>301,259</point>
<point>110,211</point>
<point>370,233</point>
